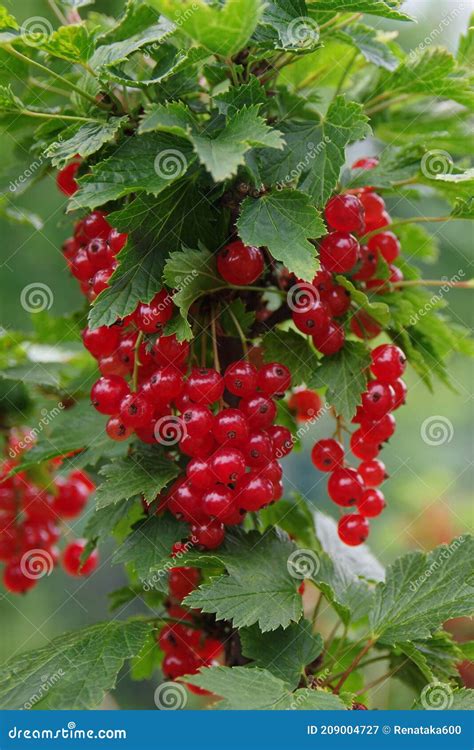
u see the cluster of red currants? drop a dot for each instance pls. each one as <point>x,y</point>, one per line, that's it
<point>350,487</point>
<point>30,523</point>
<point>317,306</point>
<point>186,647</point>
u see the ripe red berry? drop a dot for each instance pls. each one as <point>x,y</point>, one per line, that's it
<point>166,383</point>
<point>282,440</point>
<point>116,241</point>
<point>274,379</point>
<point>204,386</point>
<point>337,300</point>
<point>378,222</point>
<point>331,341</point>
<point>117,430</point>
<point>378,399</point>
<point>15,578</point>
<point>314,316</point>
<point>372,472</point>
<point>218,502</point>
<point>241,379</point>
<point>182,581</point>
<point>102,341</point>
<point>96,226</point>
<point>338,252</point>
<point>167,350</point>
<point>307,404</point>
<point>100,280</point>
<point>176,665</point>
<point>107,394</point>
<point>400,389</point>
<point>345,213</point>
<point>345,486</point>
<point>99,253</point>
<point>367,264</point>
<point>71,559</point>
<point>259,449</point>
<point>65,179</point>
<point>70,247</point>
<point>388,363</point>
<point>253,492</point>
<point>374,205</point>
<point>230,428</point>
<point>197,420</point>
<point>385,243</point>
<point>240,264</point>
<point>198,447</point>
<point>228,465</point>
<point>327,454</point>
<point>362,448</point>
<point>353,529</point>
<point>135,410</point>
<point>185,501</point>
<point>363,326</point>
<point>366,162</point>
<point>371,504</point>
<point>259,411</point>
<point>81,267</point>
<point>71,498</point>
<point>379,430</point>
<point>209,535</point>
<point>151,317</point>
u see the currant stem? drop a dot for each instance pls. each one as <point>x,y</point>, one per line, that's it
<point>51,116</point>
<point>214,342</point>
<point>354,664</point>
<point>136,361</point>
<point>435,282</point>
<point>317,608</point>
<point>402,222</point>
<point>240,332</point>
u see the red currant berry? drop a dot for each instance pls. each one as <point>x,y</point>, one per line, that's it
<point>72,497</point>
<point>116,241</point>
<point>337,300</point>
<point>339,252</point>
<point>327,454</point>
<point>241,379</point>
<point>71,559</point>
<point>96,226</point>
<point>167,383</point>
<point>323,281</point>
<point>345,486</point>
<point>273,472</point>
<point>379,430</point>
<point>378,222</point>
<point>388,363</point>
<point>65,179</point>
<point>259,449</point>
<point>209,535</point>
<point>331,341</point>
<point>274,379</point>
<point>253,492</point>
<point>367,266</point>
<point>314,316</point>
<point>99,253</point>
<point>366,162</point>
<point>240,264</point>
<point>117,430</point>
<point>182,581</point>
<point>282,440</point>
<point>70,247</point>
<point>228,465</point>
<point>372,472</point>
<point>400,388</point>
<point>15,578</point>
<point>126,350</point>
<point>204,386</point>
<point>230,428</point>
<point>135,410</point>
<point>81,267</point>
<point>374,205</point>
<point>151,317</point>
<point>259,411</point>
<point>185,501</point>
<point>100,280</point>
<point>362,448</point>
<point>378,399</point>
<point>363,326</point>
<point>167,350</point>
<point>102,341</point>
<point>218,502</point>
<point>197,420</point>
<point>371,504</point>
<point>387,244</point>
<point>200,475</point>
<point>353,529</point>
<point>176,665</point>
<point>307,405</point>
<point>345,213</point>
<point>197,447</point>
<point>107,394</point>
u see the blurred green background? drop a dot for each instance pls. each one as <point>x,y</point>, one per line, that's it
<point>429,492</point>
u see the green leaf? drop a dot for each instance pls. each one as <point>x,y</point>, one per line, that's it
<point>7,21</point>
<point>433,659</point>
<point>294,517</point>
<point>283,221</point>
<point>422,591</point>
<point>134,19</point>
<point>371,44</point>
<point>147,163</point>
<point>284,653</point>
<point>73,43</point>
<point>19,215</point>
<point>73,671</point>
<point>9,102</point>
<point>295,351</point>
<point>103,522</point>
<point>172,117</point>
<point>148,549</point>
<point>417,242</point>
<point>385,8</point>
<point>224,153</point>
<point>237,97</point>
<point>108,55</point>
<point>377,310</point>
<point>463,209</point>
<point>138,474</point>
<point>395,165</point>
<point>345,376</point>
<point>192,273</point>
<point>236,311</point>
<point>258,587</point>
<point>223,30</point>
<point>465,55</point>
<point>243,688</point>
<point>85,141</point>
<point>315,150</point>
<point>286,25</point>
<point>136,279</point>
